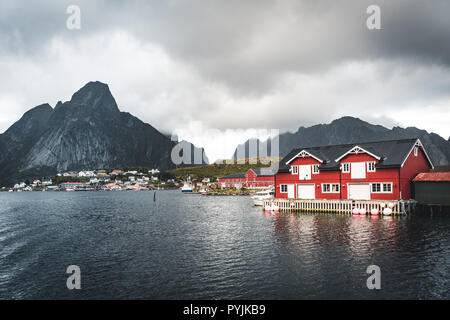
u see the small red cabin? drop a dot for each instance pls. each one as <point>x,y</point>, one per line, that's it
<point>364,171</point>
<point>253,178</point>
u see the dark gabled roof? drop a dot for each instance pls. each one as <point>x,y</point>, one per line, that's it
<point>258,172</point>
<point>233,176</point>
<point>392,153</point>
<point>270,172</point>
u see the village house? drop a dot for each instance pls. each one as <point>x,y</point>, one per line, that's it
<point>381,170</point>
<point>47,182</point>
<point>101,173</point>
<point>153,171</point>
<point>70,174</point>
<point>253,178</point>
<point>86,174</point>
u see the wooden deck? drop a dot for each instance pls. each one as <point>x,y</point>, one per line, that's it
<point>340,206</point>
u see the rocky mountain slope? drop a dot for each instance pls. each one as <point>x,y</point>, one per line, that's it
<point>89,131</point>
<point>351,130</point>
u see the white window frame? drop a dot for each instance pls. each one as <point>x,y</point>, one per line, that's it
<point>281,188</point>
<point>330,186</point>
<point>382,189</point>
<point>343,167</point>
<point>368,166</point>
<point>387,183</point>
<point>372,185</point>
<point>315,169</point>
<point>416,151</point>
<point>294,171</point>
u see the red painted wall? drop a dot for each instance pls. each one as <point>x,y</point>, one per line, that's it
<point>251,180</point>
<point>413,165</point>
<point>380,176</point>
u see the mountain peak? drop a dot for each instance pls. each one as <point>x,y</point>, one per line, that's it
<point>349,119</point>
<point>95,95</point>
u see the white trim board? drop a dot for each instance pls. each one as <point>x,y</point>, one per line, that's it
<point>357,150</point>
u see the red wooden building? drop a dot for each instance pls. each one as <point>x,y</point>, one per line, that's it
<point>362,171</point>
<point>253,178</point>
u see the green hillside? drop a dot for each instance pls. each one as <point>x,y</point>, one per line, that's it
<point>215,170</point>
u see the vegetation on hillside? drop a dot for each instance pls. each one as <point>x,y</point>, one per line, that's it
<point>216,170</point>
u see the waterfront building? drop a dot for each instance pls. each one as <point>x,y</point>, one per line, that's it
<point>381,170</point>
<point>433,188</point>
<point>253,178</point>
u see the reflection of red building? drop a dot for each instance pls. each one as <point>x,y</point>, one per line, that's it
<point>366,171</point>
<point>254,178</point>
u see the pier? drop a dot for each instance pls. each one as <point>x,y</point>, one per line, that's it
<point>399,207</point>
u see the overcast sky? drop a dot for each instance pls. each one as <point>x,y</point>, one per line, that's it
<point>212,69</point>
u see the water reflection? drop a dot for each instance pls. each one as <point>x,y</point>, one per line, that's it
<point>195,247</point>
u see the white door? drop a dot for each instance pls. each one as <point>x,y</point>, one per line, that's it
<point>291,190</point>
<point>359,191</point>
<point>306,191</point>
<point>305,172</point>
<point>358,170</point>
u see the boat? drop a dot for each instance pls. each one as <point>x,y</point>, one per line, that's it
<point>260,196</point>
<point>186,188</point>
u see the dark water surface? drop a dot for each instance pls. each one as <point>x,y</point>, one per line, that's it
<point>197,247</point>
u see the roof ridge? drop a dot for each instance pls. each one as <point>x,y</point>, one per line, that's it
<point>355,143</point>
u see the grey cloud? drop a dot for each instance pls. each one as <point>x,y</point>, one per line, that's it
<point>247,44</point>
<point>271,62</point>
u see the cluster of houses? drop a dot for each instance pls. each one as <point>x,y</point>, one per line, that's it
<point>98,179</point>
<point>35,184</point>
<point>384,170</point>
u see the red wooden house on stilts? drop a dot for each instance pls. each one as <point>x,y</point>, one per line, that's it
<point>381,170</point>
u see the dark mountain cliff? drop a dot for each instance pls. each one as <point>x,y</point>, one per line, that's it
<point>89,131</point>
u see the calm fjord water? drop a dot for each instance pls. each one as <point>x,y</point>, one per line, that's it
<point>196,247</point>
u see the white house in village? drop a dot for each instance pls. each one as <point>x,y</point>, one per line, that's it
<point>153,171</point>
<point>93,180</point>
<point>86,174</point>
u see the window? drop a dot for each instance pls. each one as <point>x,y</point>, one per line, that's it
<point>416,151</point>
<point>330,188</point>
<point>335,187</point>
<point>294,170</point>
<point>371,166</point>
<point>315,169</point>
<point>385,187</point>
<point>283,188</point>
<point>346,167</point>
<point>376,187</point>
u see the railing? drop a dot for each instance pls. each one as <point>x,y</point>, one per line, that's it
<point>338,206</point>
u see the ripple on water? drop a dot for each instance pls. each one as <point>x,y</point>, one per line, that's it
<point>195,247</point>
